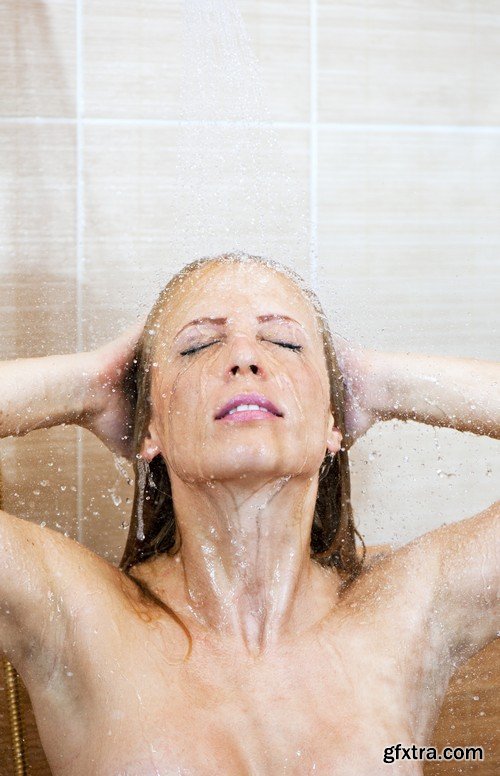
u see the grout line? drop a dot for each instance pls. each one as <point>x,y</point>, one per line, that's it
<point>36,120</point>
<point>408,128</point>
<point>320,125</point>
<point>313,145</point>
<point>80,258</point>
<point>198,123</point>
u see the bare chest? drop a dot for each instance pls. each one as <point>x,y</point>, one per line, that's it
<point>329,704</point>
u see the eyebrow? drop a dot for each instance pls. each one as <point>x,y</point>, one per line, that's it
<point>223,321</point>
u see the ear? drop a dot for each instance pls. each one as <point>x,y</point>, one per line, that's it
<point>334,437</point>
<point>150,447</point>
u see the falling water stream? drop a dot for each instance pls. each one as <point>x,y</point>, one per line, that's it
<point>239,187</point>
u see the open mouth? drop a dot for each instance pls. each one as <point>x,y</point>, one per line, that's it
<point>248,412</point>
<point>248,407</point>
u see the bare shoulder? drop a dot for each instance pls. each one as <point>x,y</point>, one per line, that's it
<point>64,611</point>
<point>443,585</point>
<point>51,588</point>
<point>467,597</point>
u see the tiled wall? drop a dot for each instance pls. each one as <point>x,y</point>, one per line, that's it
<point>389,115</point>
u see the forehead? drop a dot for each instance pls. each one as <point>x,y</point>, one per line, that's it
<point>238,289</point>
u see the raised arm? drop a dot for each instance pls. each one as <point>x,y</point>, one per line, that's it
<point>36,563</point>
<point>43,392</point>
<point>458,393</point>
<point>460,561</point>
<point>80,388</point>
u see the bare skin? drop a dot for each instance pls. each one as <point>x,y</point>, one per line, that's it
<point>290,671</point>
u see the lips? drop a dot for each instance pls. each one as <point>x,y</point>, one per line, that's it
<point>248,398</point>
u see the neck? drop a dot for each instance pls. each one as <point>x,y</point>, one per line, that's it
<point>244,568</point>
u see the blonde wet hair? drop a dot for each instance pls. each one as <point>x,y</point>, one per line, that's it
<point>333,532</point>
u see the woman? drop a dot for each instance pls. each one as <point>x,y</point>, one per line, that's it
<point>243,634</point>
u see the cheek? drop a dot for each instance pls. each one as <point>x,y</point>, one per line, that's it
<point>314,389</point>
<point>308,399</point>
<point>180,399</point>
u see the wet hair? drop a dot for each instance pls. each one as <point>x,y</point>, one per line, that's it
<point>153,527</point>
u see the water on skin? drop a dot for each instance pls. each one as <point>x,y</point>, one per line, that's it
<point>277,376</point>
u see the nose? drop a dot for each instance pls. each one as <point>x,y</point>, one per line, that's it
<point>243,358</point>
<point>251,368</point>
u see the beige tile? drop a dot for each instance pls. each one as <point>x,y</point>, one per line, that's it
<point>147,213</point>
<point>408,239</point>
<point>408,479</point>
<point>38,58</point>
<point>279,35</point>
<point>424,63</point>
<point>131,67</point>
<point>147,61</point>
<point>37,313</point>
<point>40,478</point>
<point>130,201</point>
<point>408,246</point>
<point>246,61</point>
<point>37,199</point>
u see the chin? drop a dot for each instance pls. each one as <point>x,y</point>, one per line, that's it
<point>253,468</point>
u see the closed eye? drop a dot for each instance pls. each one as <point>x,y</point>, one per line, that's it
<point>200,347</point>
<point>289,345</point>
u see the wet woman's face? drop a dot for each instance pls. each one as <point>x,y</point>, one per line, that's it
<point>239,335</point>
